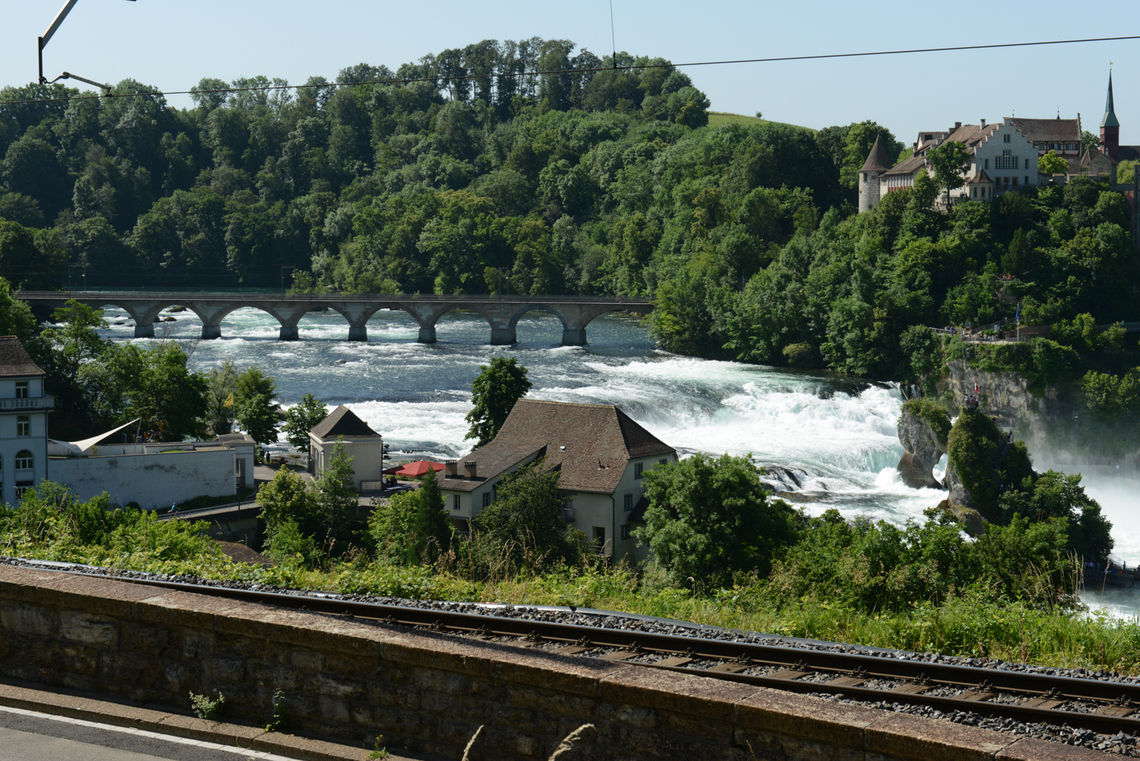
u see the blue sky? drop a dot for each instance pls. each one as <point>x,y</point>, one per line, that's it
<point>172,44</point>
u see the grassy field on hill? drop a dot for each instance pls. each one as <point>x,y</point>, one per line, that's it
<point>719,119</point>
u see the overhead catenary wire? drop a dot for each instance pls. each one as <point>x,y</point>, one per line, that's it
<point>397,81</point>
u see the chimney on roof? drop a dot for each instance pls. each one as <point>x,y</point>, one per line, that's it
<point>451,469</point>
<point>469,466</point>
<point>983,122</point>
<point>957,125</point>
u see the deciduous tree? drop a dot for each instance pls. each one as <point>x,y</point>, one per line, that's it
<point>300,419</point>
<point>255,407</point>
<point>709,518</point>
<point>493,393</point>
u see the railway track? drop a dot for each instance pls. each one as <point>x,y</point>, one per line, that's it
<point>1102,706</point>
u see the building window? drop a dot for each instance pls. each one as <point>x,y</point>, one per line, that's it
<point>1015,182</point>
<point>21,389</point>
<point>625,531</point>
<point>1005,137</point>
<point>24,460</point>
<point>662,461</point>
<point>1027,163</point>
<point>1006,160</point>
<point>987,163</point>
<point>23,425</point>
<point>637,469</point>
<point>454,501</point>
<point>22,487</point>
<point>628,503</point>
<point>486,499</point>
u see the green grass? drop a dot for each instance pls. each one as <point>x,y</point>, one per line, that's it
<point>718,119</point>
<point>968,627</point>
<point>971,625</point>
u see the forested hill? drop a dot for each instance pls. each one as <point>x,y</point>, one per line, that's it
<point>572,181</point>
<point>538,168</point>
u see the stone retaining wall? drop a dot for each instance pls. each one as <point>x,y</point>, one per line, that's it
<point>349,682</point>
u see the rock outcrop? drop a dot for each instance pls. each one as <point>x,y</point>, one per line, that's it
<point>923,447</point>
<point>959,494</point>
<point>1006,397</point>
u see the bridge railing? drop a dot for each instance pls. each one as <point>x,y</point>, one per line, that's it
<point>172,296</point>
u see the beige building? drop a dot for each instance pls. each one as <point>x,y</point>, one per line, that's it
<point>601,456</point>
<point>361,443</point>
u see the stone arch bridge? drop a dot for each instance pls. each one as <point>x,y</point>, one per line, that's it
<point>502,313</point>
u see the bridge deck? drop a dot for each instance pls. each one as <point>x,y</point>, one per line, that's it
<point>502,313</point>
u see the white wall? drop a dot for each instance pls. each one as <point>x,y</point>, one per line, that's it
<point>366,457</point>
<point>989,158</point>
<point>151,480</point>
<point>11,444</point>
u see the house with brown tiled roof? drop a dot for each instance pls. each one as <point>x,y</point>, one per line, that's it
<point>1062,136</point>
<point>360,442</point>
<point>599,452</point>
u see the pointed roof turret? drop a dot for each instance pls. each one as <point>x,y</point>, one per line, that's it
<point>1109,119</point>
<point>877,159</point>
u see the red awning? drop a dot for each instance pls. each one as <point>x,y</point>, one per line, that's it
<point>419,468</point>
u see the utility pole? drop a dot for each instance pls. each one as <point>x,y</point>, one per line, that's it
<point>43,40</point>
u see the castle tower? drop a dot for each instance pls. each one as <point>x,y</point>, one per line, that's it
<point>1109,127</point>
<point>877,162</point>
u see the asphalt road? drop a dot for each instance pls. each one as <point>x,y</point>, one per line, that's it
<point>31,736</point>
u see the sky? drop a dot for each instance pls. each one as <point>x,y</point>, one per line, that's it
<point>172,44</point>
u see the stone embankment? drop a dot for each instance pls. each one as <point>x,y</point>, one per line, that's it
<point>349,682</point>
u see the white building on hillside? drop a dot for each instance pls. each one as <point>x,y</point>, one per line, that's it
<point>150,475</point>
<point>24,411</point>
<point>1001,159</point>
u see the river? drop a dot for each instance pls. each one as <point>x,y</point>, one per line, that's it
<point>836,437</point>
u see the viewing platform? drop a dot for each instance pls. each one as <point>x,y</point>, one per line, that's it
<point>502,313</point>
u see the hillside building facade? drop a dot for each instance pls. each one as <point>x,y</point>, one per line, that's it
<point>599,452</point>
<point>1001,159</point>
<point>24,409</point>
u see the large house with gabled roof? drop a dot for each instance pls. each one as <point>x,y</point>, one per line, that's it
<point>600,453</point>
<point>1001,159</point>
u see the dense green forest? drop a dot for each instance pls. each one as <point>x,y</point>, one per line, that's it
<point>534,167</point>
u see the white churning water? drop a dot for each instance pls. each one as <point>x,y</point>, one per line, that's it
<point>829,442</point>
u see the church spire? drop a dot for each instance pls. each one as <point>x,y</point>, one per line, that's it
<point>1109,126</point>
<point>1109,119</point>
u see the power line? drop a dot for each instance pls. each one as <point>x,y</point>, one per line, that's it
<point>393,81</point>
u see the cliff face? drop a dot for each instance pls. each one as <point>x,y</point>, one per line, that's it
<point>923,449</point>
<point>1004,396</point>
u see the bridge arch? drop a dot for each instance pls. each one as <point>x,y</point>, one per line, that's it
<point>526,309</point>
<point>501,313</point>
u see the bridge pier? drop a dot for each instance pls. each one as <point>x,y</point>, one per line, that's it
<point>211,331</point>
<point>427,334</point>
<point>503,336</point>
<point>289,333</point>
<point>574,336</point>
<point>358,332</point>
<point>144,330</point>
